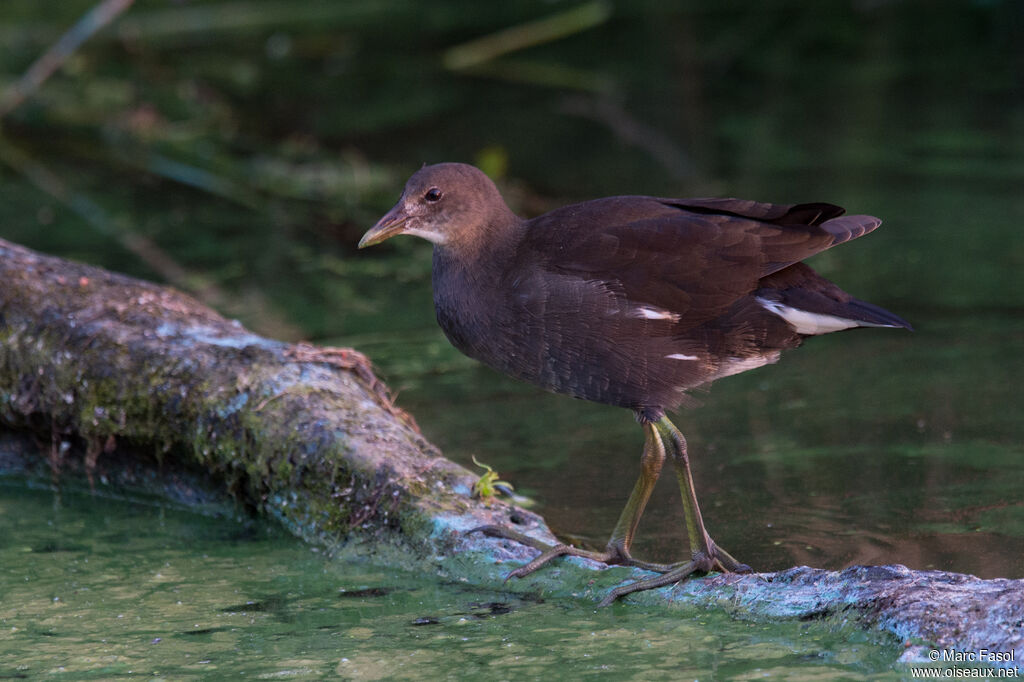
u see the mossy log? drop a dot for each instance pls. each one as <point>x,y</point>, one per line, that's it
<point>111,374</point>
<point>91,360</point>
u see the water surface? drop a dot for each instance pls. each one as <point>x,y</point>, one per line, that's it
<point>93,588</point>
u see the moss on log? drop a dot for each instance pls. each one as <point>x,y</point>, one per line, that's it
<point>114,376</point>
<point>307,435</point>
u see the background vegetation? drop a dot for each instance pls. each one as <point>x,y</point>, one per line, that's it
<point>238,148</point>
<point>249,142</point>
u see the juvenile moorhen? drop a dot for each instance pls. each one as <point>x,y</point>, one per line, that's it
<point>630,301</point>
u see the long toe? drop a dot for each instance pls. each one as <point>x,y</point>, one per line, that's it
<point>726,562</point>
<point>509,534</point>
<point>669,578</point>
<point>718,560</point>
<point>562,550</point>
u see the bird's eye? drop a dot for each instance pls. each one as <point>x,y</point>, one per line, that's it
<point>433,194</point>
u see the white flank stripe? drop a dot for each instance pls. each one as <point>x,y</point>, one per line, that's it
<point>680,356</point>
<point>736,365</point>
<point>804,322</point>
<point>655,314</point>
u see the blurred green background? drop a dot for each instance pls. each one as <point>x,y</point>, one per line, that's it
<point>238,148</point>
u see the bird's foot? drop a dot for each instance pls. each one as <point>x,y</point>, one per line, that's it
<point>714,558</point>
<point>509,534</point>
<point>614,554</point>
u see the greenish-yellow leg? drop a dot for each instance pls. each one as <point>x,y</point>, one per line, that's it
<point>705,555</point>
<point>617,549</point>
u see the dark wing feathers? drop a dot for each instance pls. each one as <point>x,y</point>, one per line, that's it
<point>779,214</point>
<point>695,257</point>
<point>850,227</point>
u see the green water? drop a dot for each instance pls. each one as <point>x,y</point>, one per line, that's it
<point>92,588</point>
<point>238,150</point>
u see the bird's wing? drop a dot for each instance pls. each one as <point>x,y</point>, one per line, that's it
<point>790,232</point>
<point>694,258</point>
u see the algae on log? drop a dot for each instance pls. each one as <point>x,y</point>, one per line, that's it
<point>129,370</point>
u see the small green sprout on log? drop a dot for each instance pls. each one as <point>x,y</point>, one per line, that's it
<point>489,483</point>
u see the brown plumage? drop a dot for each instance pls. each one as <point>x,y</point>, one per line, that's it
<point>630,300</point>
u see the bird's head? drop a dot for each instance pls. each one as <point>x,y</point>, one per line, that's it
<point>446,204</point>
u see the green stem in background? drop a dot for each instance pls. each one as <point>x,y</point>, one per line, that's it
<point>481,50</point>
<point>120,230</point>
<point>51,60</point>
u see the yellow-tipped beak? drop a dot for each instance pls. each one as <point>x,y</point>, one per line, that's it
<point>387,227</point>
